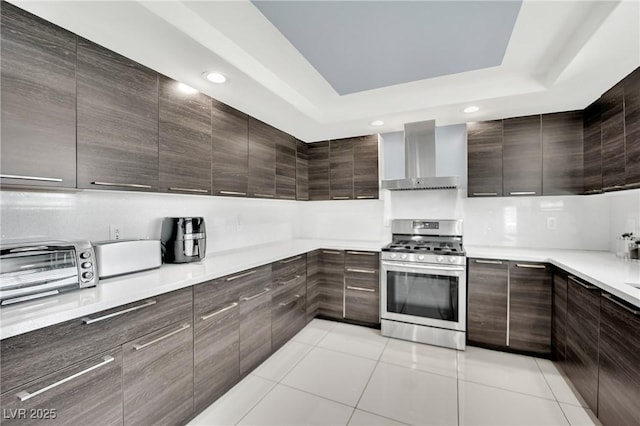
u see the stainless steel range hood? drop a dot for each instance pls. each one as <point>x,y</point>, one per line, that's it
<point>420,161</point>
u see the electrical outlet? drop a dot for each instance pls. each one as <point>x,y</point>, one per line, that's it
<point>239,223</point>
<point>552,223</point>
<point>115,232</point>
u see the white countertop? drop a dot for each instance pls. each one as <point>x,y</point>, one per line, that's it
<point>600,268</point>
<point>113,292</point>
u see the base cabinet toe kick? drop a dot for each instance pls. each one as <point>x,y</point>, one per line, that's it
<point>164,359</point>
<point>591,335</point>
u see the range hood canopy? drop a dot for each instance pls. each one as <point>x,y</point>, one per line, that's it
<point>420,161</point>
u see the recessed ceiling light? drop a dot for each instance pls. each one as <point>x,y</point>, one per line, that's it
<point>215,77</point>
<point>186,89</point>
<point>471,109</point>
<point>377,123</point>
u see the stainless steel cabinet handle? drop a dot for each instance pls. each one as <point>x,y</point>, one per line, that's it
<point>183,327</point>
<point>365,197</point>
<point>291,260</point>
<point>263,195</point>
<point>231,193</point>
<point>486,194</point>
<point>200,191</point>
<point>523,193</point>
<point>341,198</point>
<point>295,299</point>
<point>363,253</point>
<point>331,252</point>
<point>246,274</point>
<point>622,305</point>
<point>88,320</point>
<point>219,311</point>
<point>361,271</point>
<point>24,395</point>
<point>290,281</point>
<point>530,266</point>
<point>38,178</point>
<point>489,262</point>
<point>613,187</point>
<point>246,299</point>
<point>303,198</point>
<point>369,290</point>
<point>126,185</point>
<point>583,285</point>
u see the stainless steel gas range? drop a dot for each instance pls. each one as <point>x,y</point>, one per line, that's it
<point>424,283</point>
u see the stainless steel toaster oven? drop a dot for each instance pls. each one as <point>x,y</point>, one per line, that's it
<point>37,269</point>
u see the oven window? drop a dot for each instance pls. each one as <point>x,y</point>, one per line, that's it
<point>423,295</point>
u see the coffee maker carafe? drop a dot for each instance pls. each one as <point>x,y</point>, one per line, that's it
<point>184,239</point>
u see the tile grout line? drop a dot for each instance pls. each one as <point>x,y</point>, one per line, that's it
<point>416,369</point>
<point>313,394</point>
<point>552,392</point>
<point>508,390</point>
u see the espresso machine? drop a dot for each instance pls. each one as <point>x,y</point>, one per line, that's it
<point>184,239</point>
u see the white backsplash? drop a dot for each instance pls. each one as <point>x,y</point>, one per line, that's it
<point>230,222</point>
<point>624,214</point>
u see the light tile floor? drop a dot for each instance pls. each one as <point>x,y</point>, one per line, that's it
<point>339,374</point>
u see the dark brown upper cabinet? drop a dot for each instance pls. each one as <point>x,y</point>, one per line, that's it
<point>285,165</point>
<point>319,171</point>
<point>613,154</point>
<point>592,160</point>
<point>117,121</point>
<point>562,153</point>
<point>484,165</point>
<point>341,169</point>
<point>38,80</point>
<point>185,140</point>
<point>230,159</point>
<point>632,129</point>
<point>262,159</point>
<point>302,171</point>
<point>522,156</point>
<point>365,167</point>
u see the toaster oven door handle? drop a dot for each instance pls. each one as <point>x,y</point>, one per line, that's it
<point>24,395</point>
<point>182,328</point>
<point>88,320</point>
<point>23,249</point>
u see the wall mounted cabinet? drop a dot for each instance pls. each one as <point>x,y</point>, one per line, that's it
<point>592,146</point>
<point>319,171</point>
<point>38,84</point>
<point>117,125</point>
<point>286,152</point>
<point>230,158</point>
<point>262,159</point>
<point>366,184</point>
<point>522,156</point>
<point>562,153</point>
<point>631,87</point>
<point>184,140</point>
<point>484,166</point>
<point>341,169</point>
<point>302,171</point>
<point>612,124</point>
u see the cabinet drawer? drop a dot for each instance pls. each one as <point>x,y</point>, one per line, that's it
<point>158,376</point>
<point>362,304</point>
<point>286,269</point>
<point>249,283</point>
<point>255,330</point>
<point>32,355</point>
<point>288,314</point>
<point>76,395</point>
<point>356,259</point>
<point>289,283</point>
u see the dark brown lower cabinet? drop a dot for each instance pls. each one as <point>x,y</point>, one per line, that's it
<point>216,341</point>
<point>619,374</point>
<point>583,326</point>
<point>158,376</point>
<point>559,317</point>
<point>95,394</point>
<point>313,278</point>
<point>331,284</point>
<point>288,311</point>
<point>362,286</point>
<point>255,317</point>
<point>530,306</point>
<point>487,302</point>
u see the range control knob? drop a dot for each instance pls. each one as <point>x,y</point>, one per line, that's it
<point>404,256</point>
<point>421,257</point>
<point>87,275</point>
<point>440,258</point>
<point>393,255</point>
<point>452,259</point>
<point>86,265</point>
<point>85,254</point>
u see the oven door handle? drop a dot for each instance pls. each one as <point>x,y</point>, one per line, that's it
<point>420,266</point>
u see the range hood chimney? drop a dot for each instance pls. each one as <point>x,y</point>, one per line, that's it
<point>420,160</point>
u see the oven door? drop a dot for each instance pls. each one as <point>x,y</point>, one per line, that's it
<point>433,295</point>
